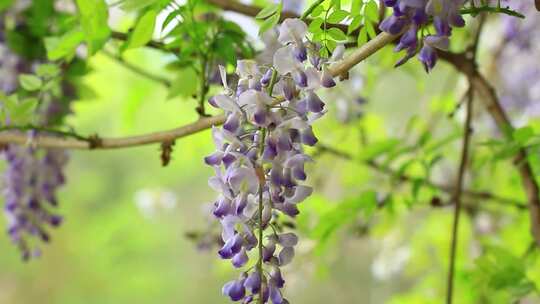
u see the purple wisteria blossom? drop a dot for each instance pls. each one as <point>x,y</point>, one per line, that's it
<point>412,16</point>
<point>260,162</point>
<point>518,79</point>
<point>31,180</point>
<point>32,176</point>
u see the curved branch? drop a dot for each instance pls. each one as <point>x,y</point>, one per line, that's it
<point>491,102</point>
<point>49,141</point>
<point>469,194</point>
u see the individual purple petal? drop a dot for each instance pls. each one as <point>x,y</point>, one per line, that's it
<point>276,278</point>
<point>285,256</point>
<point>232,123</point>
<point>439,42</point>
<point>253,282</point>
<point>428,57</point>
<point>222,207</point>
<point>268,251</point>
<point>300,78</point>
<point>290,209</point>
<point>292,30</point>
<point>393,25</point>
<point>240,259</point>
<point>300,194</point>
<point>308,137</point>
<point>231,247</point>
<point>275,295</point>
<point>234,290</point>
<point>327,80</point>
<point>265,80</point>
<point>214,159</point>
<point>288,239</point>
<point>315,104</point>
<point>300,52</point>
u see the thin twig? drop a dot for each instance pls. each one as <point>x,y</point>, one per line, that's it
<point>457,195</point>
<point>137,70</point>
<point>490,9</point>
<point>42,140</point>
<point>470,194</point>
<point>491,102</point>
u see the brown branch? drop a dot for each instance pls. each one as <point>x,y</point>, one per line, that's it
<point>494,108</point>
<point>252,11</point>
<point>44,140</point>
<point>469,194</point>
<point>457,195</point>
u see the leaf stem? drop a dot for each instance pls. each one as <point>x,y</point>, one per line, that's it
<point>475,10</point>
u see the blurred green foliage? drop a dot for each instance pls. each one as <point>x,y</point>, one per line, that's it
<point>374,232</point>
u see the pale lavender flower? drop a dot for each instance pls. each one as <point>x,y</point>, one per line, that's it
<point>259,159</point>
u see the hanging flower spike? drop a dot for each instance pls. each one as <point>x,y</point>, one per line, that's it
<point>259,161</point>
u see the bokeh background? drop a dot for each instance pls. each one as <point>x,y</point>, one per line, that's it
<point>126,238</point>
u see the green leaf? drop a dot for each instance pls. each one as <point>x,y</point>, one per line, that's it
<point>170,18</point>
<point>337,34</point>
<point>30,82</point>
<point>522,135</point>
<point>94,16</point>
<point>4,4</point>
<point>336,4</point>
<point>269,23</point>
<point>64,46</point>
<point>268,11</point>
<point>499,270</point>
<point>317,11</point>
<point>356,6</point>
<point>370,29</point>
<point>184,85</point>
<point>134,5</point>
<point>376,149</point>
<point>362,36</point>
<point>337,16</point>
<point>21,111</point>
<point>372,11</point>
<point>47,70</point>
<point>315,25</point>
<point>355,24</point>
<point>343,214</point>
<point>143,31</point>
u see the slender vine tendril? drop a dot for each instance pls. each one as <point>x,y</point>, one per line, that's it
<point>475,10</point>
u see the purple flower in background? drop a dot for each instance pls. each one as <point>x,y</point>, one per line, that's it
<point>259,159</point>
<point>32,176</point>
<point>31,180</point>
<point>518,79</point>
<point>415,15</point>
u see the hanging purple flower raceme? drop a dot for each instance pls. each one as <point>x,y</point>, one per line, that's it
<point>412,16</point>
<point>259,161</point>
<point>31,180</point>
<point>32,176</point>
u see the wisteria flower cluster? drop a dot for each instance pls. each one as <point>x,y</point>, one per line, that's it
<point>31,180</point>
<point>413,16</point>
<point>519,80</point>
<point>32,176</point>
<point>259,162</point>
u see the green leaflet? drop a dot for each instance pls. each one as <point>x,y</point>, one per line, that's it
<point>94,17</point>
<point>64,46</point>
<point>143,31</point>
